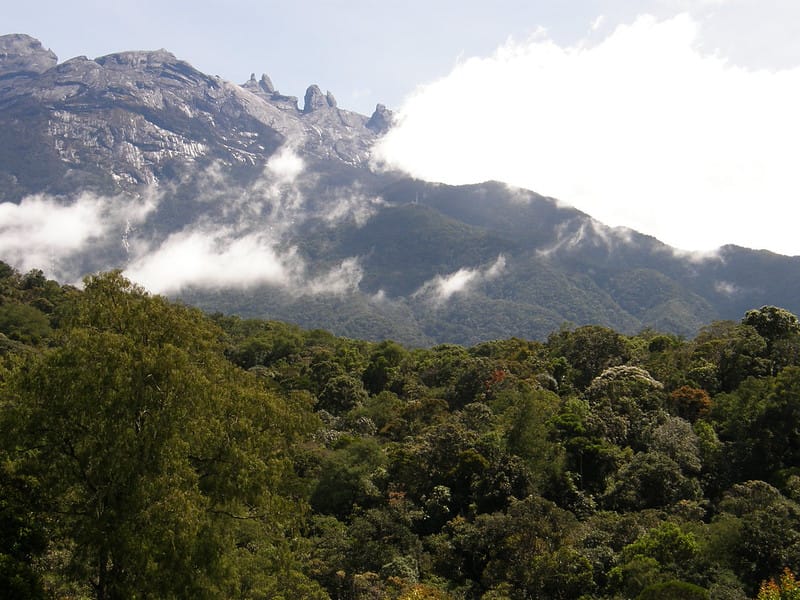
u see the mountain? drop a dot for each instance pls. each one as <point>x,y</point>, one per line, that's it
<point>238,199</point>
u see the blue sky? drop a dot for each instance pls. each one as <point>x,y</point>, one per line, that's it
<point>502,90</point>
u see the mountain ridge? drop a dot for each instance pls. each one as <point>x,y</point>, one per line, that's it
<point>237,199</point>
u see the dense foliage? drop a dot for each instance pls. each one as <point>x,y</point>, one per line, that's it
<point>149,450</point>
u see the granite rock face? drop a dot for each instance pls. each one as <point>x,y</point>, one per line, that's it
<point>132,118</point>
<point>314,99</point>
<point>381,119</point>
<point>23,55</point>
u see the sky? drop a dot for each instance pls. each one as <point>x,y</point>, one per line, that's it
<point>677,118</point>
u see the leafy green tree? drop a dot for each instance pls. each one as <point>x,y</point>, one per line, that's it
<point>776,434</point>
<point>650,480</point>
<point>382,367</point>
<point>725,354</point>
<point>24,323</point>
<point>347,477</point>
<point>342,393</point>
<point>772,323</point>
<point>164,469</point>
<point>767,536</point>
<point>589,350</point>
<point>670,590</point>
<point>23,537</point>
<point>662,554</point>
<point>527,416</point>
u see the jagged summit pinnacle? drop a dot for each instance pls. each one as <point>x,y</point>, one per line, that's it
<point>315,99</point>
<point>139,116</point>
<point>381,119</point>
<point>22,54</point>
<point>264,84</point>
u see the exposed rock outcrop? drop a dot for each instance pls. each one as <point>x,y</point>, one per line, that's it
<point>265,83</point>
<point>22,54</point>
<point>314,99</point>
<point>132,117</point>
<point>381,119</point>
<point>331,100</point>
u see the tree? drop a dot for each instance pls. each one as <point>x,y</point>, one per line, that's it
<point>690,403</point>
<point>656,558</point>
<point>23,538</point>
<point>589,350</point>
<point>772,322</point>
<point>781,330</point>
<point>650,480</point>
<point>669,590</point>
<point>165,470</point>
<point>342,393</point>
<point>767,534</point>
<point>726,354</point>
<point>786,588</point>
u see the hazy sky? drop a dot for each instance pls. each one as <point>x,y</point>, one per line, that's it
<point>675,117</point>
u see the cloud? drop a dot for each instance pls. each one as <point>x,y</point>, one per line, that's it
<point>726,288</point>
<point>214,258</point>
<point>349,204</point>
<point>45,232</point>
<point>246,236</point>
<point>285,165</point>
<point>340,280</point>
<point>641,129</point>
<point>442,287</point>
<point>210,258</point>
<point>575,233</point>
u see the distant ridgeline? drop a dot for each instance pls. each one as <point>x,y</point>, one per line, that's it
<point>237,199</point>
<point>151,450</point>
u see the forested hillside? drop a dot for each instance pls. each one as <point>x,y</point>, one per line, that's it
<point>148,450</point>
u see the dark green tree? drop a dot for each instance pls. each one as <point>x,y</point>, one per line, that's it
<point>164,469</point>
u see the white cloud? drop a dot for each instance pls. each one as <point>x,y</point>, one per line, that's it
<point>641,129</point>
<point>245,238</point>
<point>203,256</point>
<point>442,287</point>
<point>725,287</point>
<point>339,280</point>
<point>44,232</point>
<point>206,258</point>
<point>285,165</point>
<point>572,234</point>
<point>349,204</point>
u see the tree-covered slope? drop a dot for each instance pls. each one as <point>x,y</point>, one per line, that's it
<point>149,449</point>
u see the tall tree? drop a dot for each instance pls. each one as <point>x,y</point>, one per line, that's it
<point>165,469</point>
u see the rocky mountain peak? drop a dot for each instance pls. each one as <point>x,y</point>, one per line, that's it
<point>137,59</point>
<point>329,97</point>
<point>381,119</point>
<point>136,117</point>
<point>262,85</point>
<point>314,99</point>
<point>265,83</point>
<point>22,54</point>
